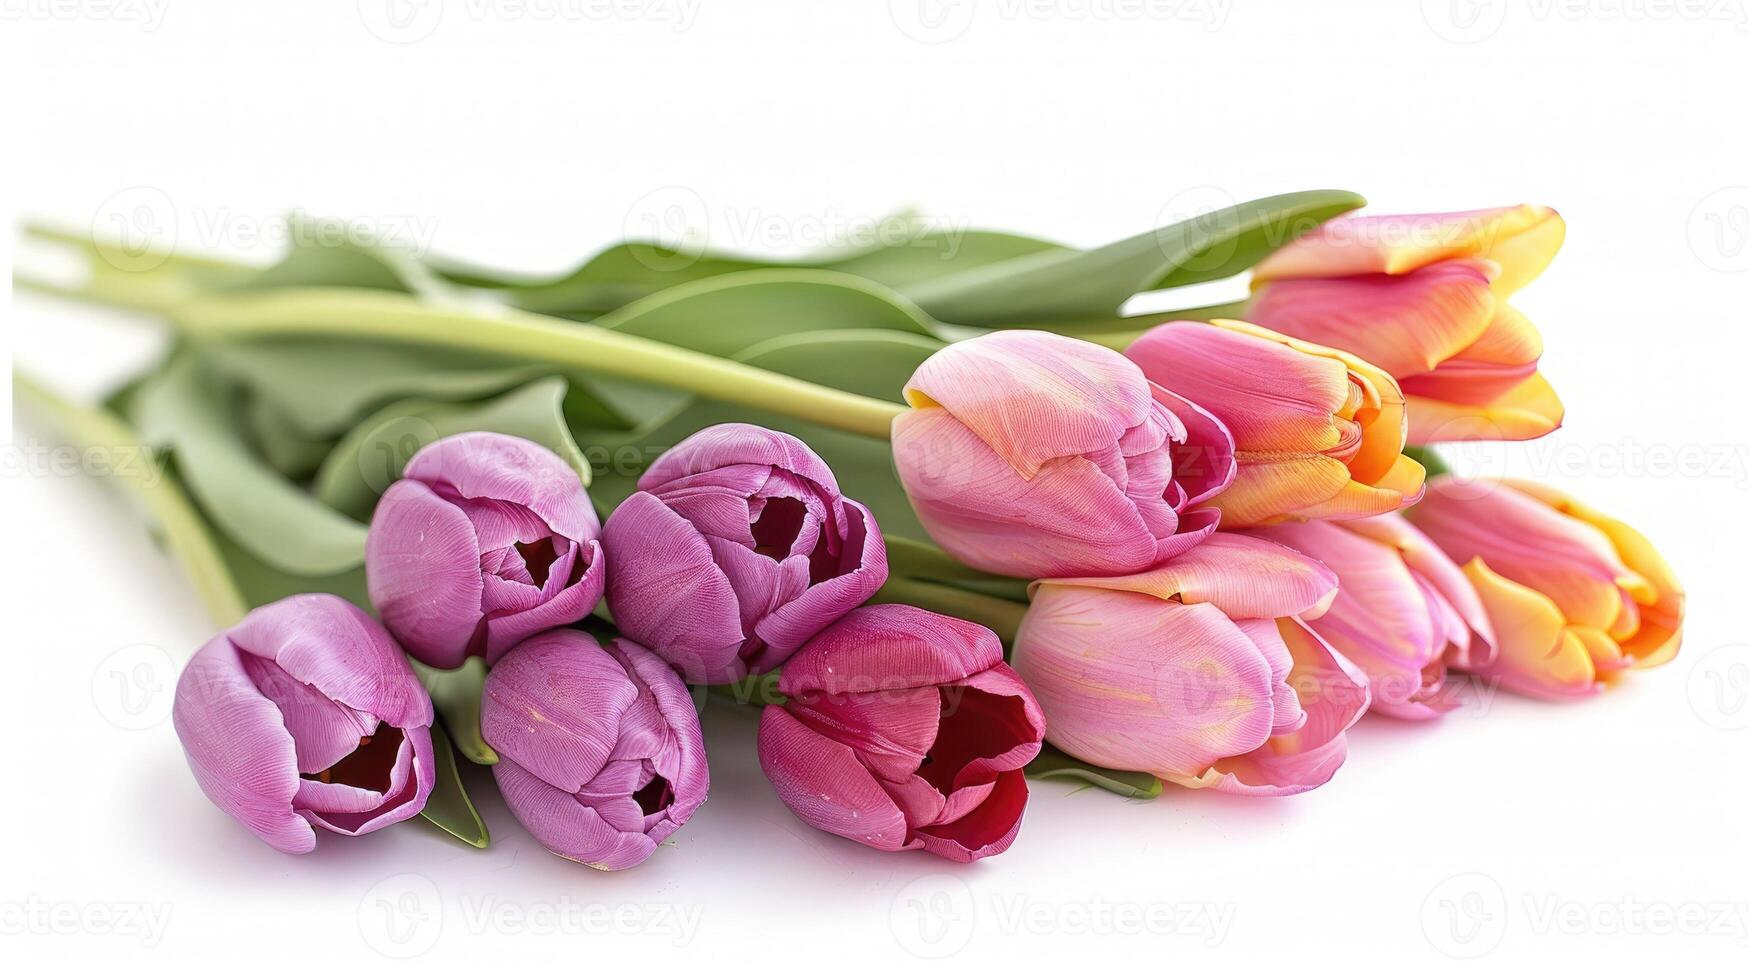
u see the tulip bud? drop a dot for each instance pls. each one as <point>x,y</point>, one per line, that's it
<point>487,540</point>
<point>904,729</point>
<point>1423,296</point>
<point>1575,597</point>
<point>736,550</point>
<point>1032,454</point>
<point>1318,431</point>
<point>304,715</point>
<point>600,753</point>
<point>1199,671</point>
<point>1404,612</point>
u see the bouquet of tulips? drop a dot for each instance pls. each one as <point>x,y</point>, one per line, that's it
<point>949,517</point>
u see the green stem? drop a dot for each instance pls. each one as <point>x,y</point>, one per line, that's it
<point>185,531</point>
<point>370,314</point>
<point>1003,616</point>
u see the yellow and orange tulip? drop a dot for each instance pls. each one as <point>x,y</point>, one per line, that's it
<point>1423,296</point>
<point>1317,431</point>
<point>1575,597</point>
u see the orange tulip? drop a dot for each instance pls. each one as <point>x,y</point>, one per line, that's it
<point>1424,297</point>
<point>1575,597</point>
<point>1318,432</point>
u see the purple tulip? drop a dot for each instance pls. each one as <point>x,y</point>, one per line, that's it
<point>736,550</point>
<point>904,729</point>
<point>487,540</point>
<point>600,752</point>
<point>306,713</point>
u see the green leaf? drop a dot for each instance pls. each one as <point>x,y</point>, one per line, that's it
<point>321,254</point>
<point>630,271</point>
<point>324,387</point>
<point>371,457</point>
<point>1053,763</point>
<point>456,696</point>
<point>1084,285</point>
<point>191,414</point>
<point>734,312</point>
<point>1429,459</point>
<point>449,807</point>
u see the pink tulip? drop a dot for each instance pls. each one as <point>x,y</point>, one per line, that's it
<point>904,729</point>
<point>305,715</point>
<point>1404,612</point>
<point>1199,671</point>
<point>1319,431</point>
<point>600,753</point>
<point>1423,296</point>
<point>736,550</point>
<point>1576,597</point>
<point>1032,454</point>
<point>487,540</point>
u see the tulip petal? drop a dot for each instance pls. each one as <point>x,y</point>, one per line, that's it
<point>667,594</point>
<point>793,622</point>
<point>736,446</point>
<point>570,604</point>
<point>424,573</point>
<point>890,648</point>
<point>1335,696</point>
<point>1271,395</point>
<point>1407,325</point>
<point>1528,411</point>
<point>1241,576</point>
<point>1068,517</point>
<point>822,783</point>
<point>494,466</point>
<point>1033,396</point>
<point>1132,682</point>
<point>554,704</point>
<point>1537,654</point>
<point>333,646</point>
<point>1522,239</point>
<point>566,825</point>
<point>987,830</point>
<point>242,758</point>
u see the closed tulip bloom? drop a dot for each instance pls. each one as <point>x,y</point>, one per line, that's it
<point>1319,432</point>
<point>1575,597</point>
<point>1199,671</point>
<point>1031,454</point>
<point>600,753</point>
<point>1403,613</point>
<point>737,548</point>
<point>904,729</point>
<point>306,715</point>
<point>1424,296</point>
<point>487,540</point>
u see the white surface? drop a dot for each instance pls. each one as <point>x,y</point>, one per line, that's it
<point>529,140</point>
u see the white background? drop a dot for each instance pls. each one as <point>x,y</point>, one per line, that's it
<point>528,136</point>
